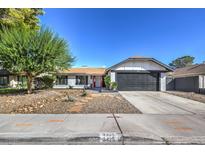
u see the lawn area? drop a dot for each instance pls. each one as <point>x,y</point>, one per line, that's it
<point>64,101</point>
<point>11,90</point>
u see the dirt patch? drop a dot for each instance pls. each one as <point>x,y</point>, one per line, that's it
<point>109,103</point>
<point>43,101</point>
<point>189,95</point>
<point>65,101</point>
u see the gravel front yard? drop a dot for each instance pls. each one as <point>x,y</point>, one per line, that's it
<point>65,101</point>
<point>108,103</point>
<point>189,95</point>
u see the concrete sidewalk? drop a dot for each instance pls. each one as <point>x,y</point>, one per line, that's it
<point>59,129</point>
<point>101,129</point>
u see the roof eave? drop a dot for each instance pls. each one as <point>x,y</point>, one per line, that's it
<point>169,69</point>
<point>187,75</point>
<point>65,73</point>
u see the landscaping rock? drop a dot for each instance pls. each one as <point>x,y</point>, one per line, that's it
<point>65,101</point>
<point>189,95</point>
<point>106,103</point>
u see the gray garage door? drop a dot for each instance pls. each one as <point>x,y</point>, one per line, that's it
<point>138,81</point>
<point>189,84</point>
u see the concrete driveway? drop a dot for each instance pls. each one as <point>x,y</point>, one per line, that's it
<point>163,103</point>
<point>173,119</point>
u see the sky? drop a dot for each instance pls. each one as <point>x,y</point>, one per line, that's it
<point>104,37</point>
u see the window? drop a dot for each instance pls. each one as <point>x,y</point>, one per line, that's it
<point>22,79</point>
<point>62,80</point>
<point>3,80</point>
<point>81,80</point>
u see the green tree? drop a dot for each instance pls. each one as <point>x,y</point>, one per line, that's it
<point>107,81</point>
<point>32,52</point>
<point>182,62</point>
<point>10,17</point>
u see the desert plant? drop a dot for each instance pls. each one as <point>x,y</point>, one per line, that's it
<point>48,81</point>
<point>33,52</point>
<point>107,81</point>
<point>113,85</point>
<point>84,93</point>
<point>70,87</point>
<point>70,99</point>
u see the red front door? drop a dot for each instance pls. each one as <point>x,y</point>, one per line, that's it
<point>94,82</point>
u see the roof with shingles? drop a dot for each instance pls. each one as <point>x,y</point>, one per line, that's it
<point>84,70</point>
<point>193,70</point>
<point>168,68</point>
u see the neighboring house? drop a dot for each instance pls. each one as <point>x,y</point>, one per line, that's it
<point>139,74</point>
<point>188,79</point>
<point>84,77</point>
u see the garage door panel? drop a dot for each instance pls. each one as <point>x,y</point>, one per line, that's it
<point>137,81</point>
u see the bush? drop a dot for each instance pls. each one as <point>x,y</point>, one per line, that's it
<point>47,81</point>
<point>107,81</point>
<point>22,83</point>
<point>84,93</point>
<point>11,90</point>
<point>114,85</point>
<point>70,99</point>
<point>70,87</point>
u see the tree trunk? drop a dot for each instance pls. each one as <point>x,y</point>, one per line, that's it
<point>29,83</point>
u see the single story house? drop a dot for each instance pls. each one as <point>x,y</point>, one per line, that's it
<point>4,77</point>
<point>84,77</point>
<point>10,79</point>
<point>139,74</point>
<point>134,73</point>
<point>188,79</point>
<point>74,77</point>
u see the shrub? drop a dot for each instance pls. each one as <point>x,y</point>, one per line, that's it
<point>70,87</point>
<point>114,85</point>
<point>22,83</point>
<point>84,93</point>
<point>70,99</point>
<point>107,81</point>
<point>47,81</point>
<point>11,91</point>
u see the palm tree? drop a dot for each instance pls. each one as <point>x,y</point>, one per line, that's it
<point>32,52</point>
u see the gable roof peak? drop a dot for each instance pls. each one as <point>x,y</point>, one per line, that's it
<point>138,57</point>
<point>168,68</point>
